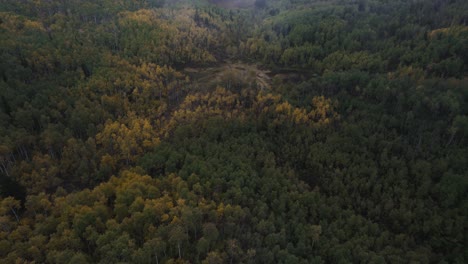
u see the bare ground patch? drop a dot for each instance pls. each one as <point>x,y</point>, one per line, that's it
<point>230,75</point>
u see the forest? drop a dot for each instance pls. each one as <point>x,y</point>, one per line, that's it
<point>233,131</point>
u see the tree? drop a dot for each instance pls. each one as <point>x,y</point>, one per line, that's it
<point>9,206</point>
<point>315,232</point>
<point>177,235</point>
<point>214,258</point>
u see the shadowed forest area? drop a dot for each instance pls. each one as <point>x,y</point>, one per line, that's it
<point>244,131</point>
<point>233,3</point>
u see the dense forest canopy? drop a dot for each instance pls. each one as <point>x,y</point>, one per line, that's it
<point>233,131</point>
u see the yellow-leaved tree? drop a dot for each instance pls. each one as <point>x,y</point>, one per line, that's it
<point>127,139</point>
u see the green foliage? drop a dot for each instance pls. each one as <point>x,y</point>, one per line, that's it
<point>127,136</point>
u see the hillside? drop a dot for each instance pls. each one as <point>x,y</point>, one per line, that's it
<point>266,131</point>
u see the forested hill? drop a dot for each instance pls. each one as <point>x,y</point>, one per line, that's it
<point>243,131</point>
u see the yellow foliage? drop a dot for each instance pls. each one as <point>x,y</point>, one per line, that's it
<point>324,110</point>
<point>164,217</point>
<point>128,140</point>
<point>453,30</point>
<point>284,108</point>
<point>142,16</point>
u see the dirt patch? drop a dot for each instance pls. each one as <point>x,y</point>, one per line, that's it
<point>231,76</point>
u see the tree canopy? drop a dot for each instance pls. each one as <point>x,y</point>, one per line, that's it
<point>268,131</point>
